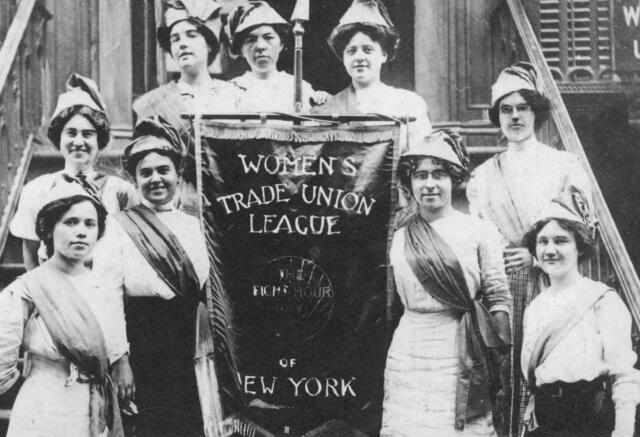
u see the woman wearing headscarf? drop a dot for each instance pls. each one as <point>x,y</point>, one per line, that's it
<point>510,189</point>
<point>259,34</point>
<point>79,129</point>
<point>364,39</point>
<point>65,320</point>
<point>577,355</point>
<point>155,256</point>
<point>448,270</point>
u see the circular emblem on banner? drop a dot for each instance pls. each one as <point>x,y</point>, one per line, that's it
<point>295,298</point>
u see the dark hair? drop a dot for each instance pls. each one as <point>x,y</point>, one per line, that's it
<point>163,35</point>
<point>540,105</point>
<point>387,37</point>
<point>283,31</point>
<point>585,243</point>
<point>133,161</point>
<point>409,164</point>
<point>97,119</point>
<point>50,214</point>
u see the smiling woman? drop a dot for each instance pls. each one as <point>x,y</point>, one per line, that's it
<point>450,278</point>
<point>79,129</point>
<point>576,352</point>
<point>155,255</point>
<point>511,188</point>
<point>364,39</point>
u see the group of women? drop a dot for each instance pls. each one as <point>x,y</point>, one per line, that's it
<point>109,325</point>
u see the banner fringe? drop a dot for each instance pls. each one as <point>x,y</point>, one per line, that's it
<point>300,134</point>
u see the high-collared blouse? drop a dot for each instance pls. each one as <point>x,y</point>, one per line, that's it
<point>275,94</point>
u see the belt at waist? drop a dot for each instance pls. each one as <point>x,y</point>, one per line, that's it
<point>567,389</point>
<point>62,368</point>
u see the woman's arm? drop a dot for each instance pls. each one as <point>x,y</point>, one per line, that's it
<point>14,313</point>
<point>493,280</point>
<point>614,325</point>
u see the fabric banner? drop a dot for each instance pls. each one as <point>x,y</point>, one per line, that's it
<point>299,223</point>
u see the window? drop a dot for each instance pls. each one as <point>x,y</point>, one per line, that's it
<point>576,39</point>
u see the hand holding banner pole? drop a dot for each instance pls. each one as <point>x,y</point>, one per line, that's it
<point>298,18</point>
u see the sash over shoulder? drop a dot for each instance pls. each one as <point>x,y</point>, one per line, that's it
<point>78,337</point>
<point>161,248</point>
<point>439,271</point>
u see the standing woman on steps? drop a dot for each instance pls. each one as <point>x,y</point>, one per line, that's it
<point>66,320</point>
<point>259,34</point>
<point>439,379</point>
<point>510,189</point>
<point>577,354</point>
<point>365,39</point>
<point>191,35</point>
<point>79,129</point>
<point>155,257</point>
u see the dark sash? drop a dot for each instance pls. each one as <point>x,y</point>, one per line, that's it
<point>161,248</point>
<point>78,337</point>
<point>439,271</point>
<point>167,102</point>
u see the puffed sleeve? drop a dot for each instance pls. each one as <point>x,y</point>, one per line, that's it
<point>23,224</point>
<point>108,259</point>
<point>14,313</point>
<point>614,325</point>
<point>493,279</point>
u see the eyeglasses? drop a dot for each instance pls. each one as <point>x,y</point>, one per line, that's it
<point>508,109</point>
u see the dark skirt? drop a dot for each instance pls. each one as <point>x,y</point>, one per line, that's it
<point>161,335</point>
<point>582,408</point>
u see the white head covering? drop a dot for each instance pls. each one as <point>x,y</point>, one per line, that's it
<point>520,76</point>
<point>81,91</point>
<point>203,12</point>
<point>243,17</point>
<point>441,144</point>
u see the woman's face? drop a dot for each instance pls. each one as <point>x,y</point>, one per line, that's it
<point>76,232</point>
<point>517,119</point>
<point>261,48</point>
<point>431,185</point>
<point>363,59</point>
<point>79,142</point>
<point>556,250</point>
<point>189,48</point>
<point>157,178</point>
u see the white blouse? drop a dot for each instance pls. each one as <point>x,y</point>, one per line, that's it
<point>476,244</point>
<point>21,326</point>
<point>121,265</point>
<point>600,344</point>
<point>535,176</point>
<point>275,94</point>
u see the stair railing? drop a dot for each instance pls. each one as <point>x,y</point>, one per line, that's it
<point>22,86</point>
<point>613,243</point>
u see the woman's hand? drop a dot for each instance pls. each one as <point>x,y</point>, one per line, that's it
<point>517,257</point>
<point>319,98</point>
<point>122,376</point>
